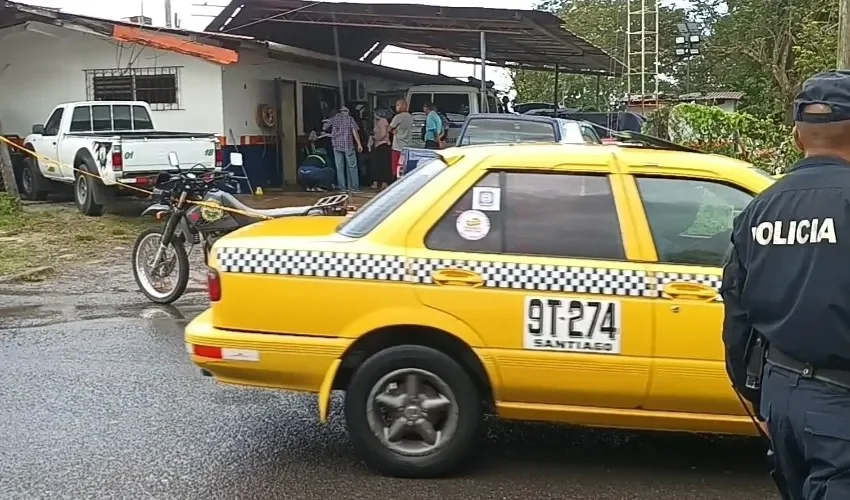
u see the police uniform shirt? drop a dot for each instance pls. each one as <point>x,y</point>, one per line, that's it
<point>788,277</point>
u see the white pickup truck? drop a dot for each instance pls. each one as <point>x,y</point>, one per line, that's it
<point>116,142</point>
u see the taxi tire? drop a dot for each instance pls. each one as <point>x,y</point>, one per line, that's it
<point>383,460</point>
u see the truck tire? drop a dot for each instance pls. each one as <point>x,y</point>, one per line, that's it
<point>33,185</point>
<point>84,186</point>
<point>446,406</point>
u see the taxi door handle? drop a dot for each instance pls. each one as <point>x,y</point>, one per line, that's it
<point>457,277</point>
<point>693,291</point>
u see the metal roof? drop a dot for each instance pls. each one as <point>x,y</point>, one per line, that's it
<point>708,96</point>
<point>514,38</point>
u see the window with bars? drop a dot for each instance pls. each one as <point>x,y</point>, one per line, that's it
<point>159,86</point>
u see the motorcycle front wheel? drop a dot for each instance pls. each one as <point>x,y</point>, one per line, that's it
<point>166,282</point>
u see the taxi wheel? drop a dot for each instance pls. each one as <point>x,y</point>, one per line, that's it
<point>413,411</point>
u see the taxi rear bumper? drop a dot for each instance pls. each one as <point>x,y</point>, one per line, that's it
<point>292,362</point>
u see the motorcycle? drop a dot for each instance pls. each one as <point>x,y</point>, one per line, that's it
<point>160,253</point>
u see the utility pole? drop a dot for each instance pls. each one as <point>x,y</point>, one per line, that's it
<point>843,57</point>
<point>7,173</point>
<point>168,15</point>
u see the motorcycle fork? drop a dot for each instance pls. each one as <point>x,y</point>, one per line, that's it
<point>170,226</point>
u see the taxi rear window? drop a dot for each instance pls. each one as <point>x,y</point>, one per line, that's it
<point>387,201</point>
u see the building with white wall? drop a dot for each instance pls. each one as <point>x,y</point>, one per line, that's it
<point>200,82</point>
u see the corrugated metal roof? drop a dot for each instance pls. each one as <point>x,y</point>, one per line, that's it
<point>709,96</point>
<point>514,38</point>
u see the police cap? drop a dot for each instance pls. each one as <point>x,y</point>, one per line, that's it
<point>830,90</point>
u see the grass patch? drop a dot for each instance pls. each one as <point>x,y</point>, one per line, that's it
<point>59,236</point>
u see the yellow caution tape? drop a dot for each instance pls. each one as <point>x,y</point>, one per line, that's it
<point>53,162</point>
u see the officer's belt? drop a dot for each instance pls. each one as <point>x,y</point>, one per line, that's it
<point>840,378</point>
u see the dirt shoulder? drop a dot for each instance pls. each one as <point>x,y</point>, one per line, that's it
<point>44,239</point>
<point>48,238</point>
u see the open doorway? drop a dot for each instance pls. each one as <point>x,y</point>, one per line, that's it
<point>287,130</point>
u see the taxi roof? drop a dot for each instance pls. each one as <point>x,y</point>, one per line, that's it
<point>541,155</point>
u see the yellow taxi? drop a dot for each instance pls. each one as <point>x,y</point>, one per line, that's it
<point>575,284</point>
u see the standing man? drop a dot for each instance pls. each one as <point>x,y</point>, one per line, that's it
<point>788,274</point>
<point>344,135</point>
<point>433,127</point>
<point>401,127</point>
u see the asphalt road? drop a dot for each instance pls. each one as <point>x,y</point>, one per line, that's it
<point>99,401</point>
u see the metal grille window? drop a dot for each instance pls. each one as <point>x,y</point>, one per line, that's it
<point>159,87</point>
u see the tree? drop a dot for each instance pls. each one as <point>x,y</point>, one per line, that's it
<point>767,48</point>
<point>603,23</point>
<point>764,48</point>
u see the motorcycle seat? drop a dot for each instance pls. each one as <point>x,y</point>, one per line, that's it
<point>230,201</point>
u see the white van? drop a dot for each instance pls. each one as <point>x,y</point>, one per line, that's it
<point>454,102</point>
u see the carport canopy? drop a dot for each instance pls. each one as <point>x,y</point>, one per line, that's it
<point>521,39</point>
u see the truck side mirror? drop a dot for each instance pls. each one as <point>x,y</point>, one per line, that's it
<point>38,129</point>
<point>173,160</point>
<point>236,159</point>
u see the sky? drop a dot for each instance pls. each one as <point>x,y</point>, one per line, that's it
<point>194,15</point>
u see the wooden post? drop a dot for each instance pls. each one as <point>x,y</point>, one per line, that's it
<point>7,173</point>
<point>843,56</point>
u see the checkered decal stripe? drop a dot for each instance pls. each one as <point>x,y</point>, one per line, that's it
<point>312,263</point>
<point>503,275</point>
<point>712,280</point>
<point>523,276</point>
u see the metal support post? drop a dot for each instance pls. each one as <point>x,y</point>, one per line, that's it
<point>484,103</point>
<point>555,95</point>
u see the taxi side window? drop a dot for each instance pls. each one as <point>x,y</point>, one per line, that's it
<point>690,219</point>
<point>546,214</point>
<point>449,234</point>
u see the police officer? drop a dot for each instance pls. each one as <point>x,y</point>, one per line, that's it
<point>786,285</point>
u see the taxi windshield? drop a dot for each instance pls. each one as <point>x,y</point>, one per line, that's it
<point>387,201</point>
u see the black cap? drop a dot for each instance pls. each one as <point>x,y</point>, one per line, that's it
<point>831,89</point>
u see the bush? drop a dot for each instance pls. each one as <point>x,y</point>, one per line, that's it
<point>763,143</point>
<point>9,206</point>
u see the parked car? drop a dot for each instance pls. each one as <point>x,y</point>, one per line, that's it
<point>561,283</point>
<point>487,128</point>
<point>114,142</point>
<point>525,107</point>
<point>604,123</point>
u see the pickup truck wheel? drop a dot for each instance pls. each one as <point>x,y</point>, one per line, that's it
<point>413,411</point>
<point>33,185</point>
<point>84,195</point>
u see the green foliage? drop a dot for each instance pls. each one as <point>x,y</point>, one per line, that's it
<point>9,206</point>
<point>764,48</point>
<point>603,23</point>
<point>759,141</point>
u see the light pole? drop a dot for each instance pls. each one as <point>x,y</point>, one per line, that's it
<point>687,46</point>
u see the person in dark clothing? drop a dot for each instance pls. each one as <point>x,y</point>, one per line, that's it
<point>786,285</point>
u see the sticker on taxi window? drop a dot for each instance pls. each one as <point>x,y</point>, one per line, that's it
<point>571,325</point>
<point>487,199</point>
<point>473,225</point>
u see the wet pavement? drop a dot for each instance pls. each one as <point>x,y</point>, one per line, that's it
<point>99,401</point>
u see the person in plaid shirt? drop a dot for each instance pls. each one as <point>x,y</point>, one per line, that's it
<point>344,136</point>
